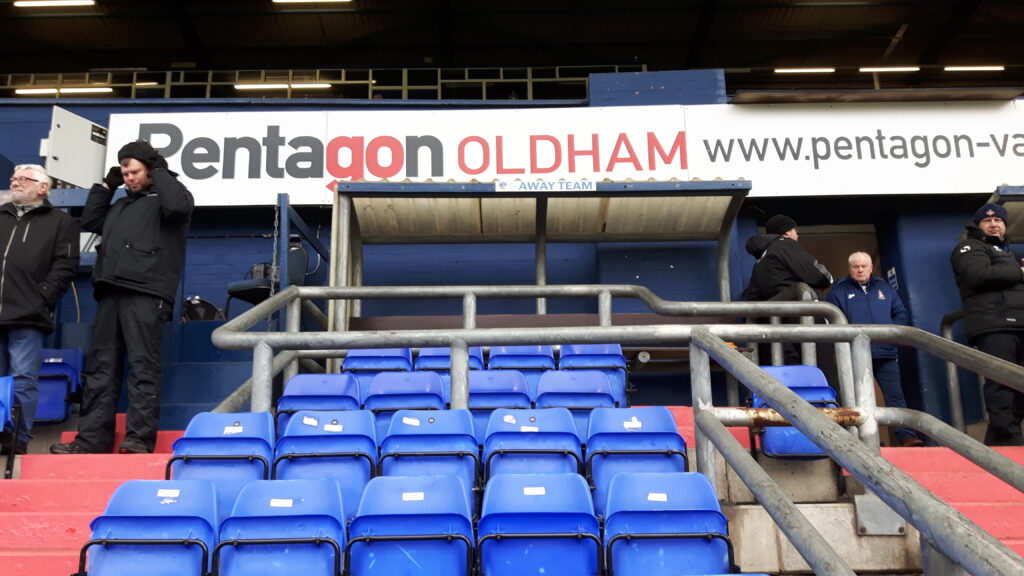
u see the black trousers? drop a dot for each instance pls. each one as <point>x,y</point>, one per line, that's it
<point>128,325</point>
<point>1004,404</point>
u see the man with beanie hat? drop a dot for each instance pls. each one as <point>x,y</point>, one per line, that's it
<point>991,283</point>
<point>135,282</point>
<point>781,264</point>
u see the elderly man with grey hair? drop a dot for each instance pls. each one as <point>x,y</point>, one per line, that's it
<point>867,299</point>
<point>38,259</point>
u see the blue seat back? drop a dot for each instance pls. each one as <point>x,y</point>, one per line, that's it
<point>336,444</point>
<point>578,390</point>
<point>607,358</point>
<point>631,440</point>
<point>809,383</point>
<point>317,392</point>
<point>59,378</point>
<point>6,400</point>
<point>490,389</point>
<point>284,509</point>
<point>160,510</point>
<point>412,506</point>
<point>531,441</point>
<point>432,442</point>
<point>232,449</point>
<point>676,504</point>
<point>517,506</point>
<point>440,359</point>
<point>392,391</point>
<point>531,361</point>
<point>378,360</point>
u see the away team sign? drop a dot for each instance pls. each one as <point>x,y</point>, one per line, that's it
<point>233,158</point>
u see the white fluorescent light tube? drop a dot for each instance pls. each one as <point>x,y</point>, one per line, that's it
<point>261,86</point>
<point>52,3</point>
<point>145,83</point>
<point>96,90</point>
<point>36,91</point>
<point>310,1</point>
<point>891,69</point>
<point>974,68</point>
<point>313,86</point>
<point>804,70</point>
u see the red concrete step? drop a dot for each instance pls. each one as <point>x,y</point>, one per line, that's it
<point>932,459</point>
<point>38,562</point>
<point>967,486</point>
<point>45,530</point>
<point>34,496</point>
<point>164,438</point>
<point>1004,520</point>
<point>93,466</point>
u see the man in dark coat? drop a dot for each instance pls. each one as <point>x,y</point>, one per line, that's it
<point>781,263</point>
<point>991,283</point>
<point>138,267</point>
<point>38,259</point>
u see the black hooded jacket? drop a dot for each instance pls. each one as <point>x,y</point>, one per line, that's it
<point>143,246</point>
<point>781,263</point>
<point>40,257</point>
<point>991,283</point>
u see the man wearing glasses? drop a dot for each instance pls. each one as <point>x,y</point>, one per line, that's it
<point>38,259</point>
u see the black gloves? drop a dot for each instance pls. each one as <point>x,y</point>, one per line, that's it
<point>113,179</point>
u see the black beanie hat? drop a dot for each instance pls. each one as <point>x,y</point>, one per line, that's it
<point>991,210</point>
<point>779,224</point>
<point>140,150</point>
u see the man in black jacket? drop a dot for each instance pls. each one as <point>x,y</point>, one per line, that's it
<point>781,264</point>
<point>991,283</point>
<point>138,267</point>
<point>38,259</point>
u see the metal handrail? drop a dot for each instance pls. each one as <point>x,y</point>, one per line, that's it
<point>956,405</point>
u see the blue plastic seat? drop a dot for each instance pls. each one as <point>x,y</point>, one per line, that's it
<point>631,440</point>
<point>411,525</point>
<point>531,441</point>
<point>809,383</point>
<point>433,442</point>
<point>158,527</point>
<point>490,389</point>
<point>661,524</point>
<point>578,390</point>
<point>365,364</point>
<point>232,449</point>
<point>340,445</point>
<point>6,401</point>
<point>531,361</point>
<point>538,524</point>
<point>607,358</point>
<point>283,527</point>
<point>392,391</point>
<point>59,379</point>
<point>317,392</point>
<point>440,360</point>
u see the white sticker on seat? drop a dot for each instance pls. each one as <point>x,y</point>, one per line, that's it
<point>168,493</point>
<point>412,496</point>
<point>509,419</point>
<point>657,497</point>
<point>234,429</point>
<point>529,429</point>
<point>280,502</point>
<point>310,421</point>
<point>410,421</point>
<point>333,428</point>
<point>633,424</point>
<point>534,491</point>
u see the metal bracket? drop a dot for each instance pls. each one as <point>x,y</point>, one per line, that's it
<point>875,518</point>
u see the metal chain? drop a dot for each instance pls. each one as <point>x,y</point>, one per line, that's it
<point>275,272</point>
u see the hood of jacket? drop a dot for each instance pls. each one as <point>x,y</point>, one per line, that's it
<point>756,245</point>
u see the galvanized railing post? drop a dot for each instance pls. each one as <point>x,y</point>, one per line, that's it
<point>777,356</point>
<point>469,311</point>
<point>293,323</point>
<point>262,377</point>
<point>700,388</point>
<point>956,404</point>
<point>864,388</point>
<point>808,350</point>
<point>460,374</point>
<point>604,308</point>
